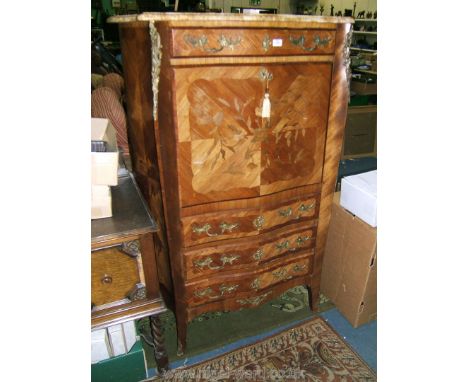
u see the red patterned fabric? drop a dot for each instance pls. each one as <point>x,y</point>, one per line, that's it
<point>106,104</point>
<point>115,82</point>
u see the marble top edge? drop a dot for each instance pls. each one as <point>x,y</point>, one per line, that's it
<point>185,16</point>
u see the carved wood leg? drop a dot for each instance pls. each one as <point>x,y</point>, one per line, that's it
<point>160,353</point>
<point>314,297</point>
<point>181,333</point>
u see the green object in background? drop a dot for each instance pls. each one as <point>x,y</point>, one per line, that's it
<point>130,367</point>
<point>359,100</point>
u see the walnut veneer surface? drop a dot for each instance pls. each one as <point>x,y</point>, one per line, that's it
<point>242,187</point>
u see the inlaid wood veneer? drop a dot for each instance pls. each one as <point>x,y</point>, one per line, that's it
<point>236,126</point>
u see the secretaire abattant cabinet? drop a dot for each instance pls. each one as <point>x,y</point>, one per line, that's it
<point>235,128</point>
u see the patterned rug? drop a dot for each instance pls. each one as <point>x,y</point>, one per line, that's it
<point>216,329</point>
<point>311,351</point>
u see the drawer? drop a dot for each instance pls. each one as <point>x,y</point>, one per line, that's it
<point>247,222</point>
<point>240,253</point>
<point>249,42</point>
<point>245,284</point>
<point>117,275</point>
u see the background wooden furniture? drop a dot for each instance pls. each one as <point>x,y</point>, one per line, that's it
<point>360,138</point>
<point>243,193</point>
<point>124,280</point>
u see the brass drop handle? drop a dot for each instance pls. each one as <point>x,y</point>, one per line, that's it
<point>206,228</point>
<point>300,42</point>
<point>305,208</point>
<point>225,259</point>
<point>208,291</point>
<point>254,300</point>
<point>283,245</point>
<point>202,41</point>
<point>106,279</point>
<point>285,213</point>
<point>302,239</point>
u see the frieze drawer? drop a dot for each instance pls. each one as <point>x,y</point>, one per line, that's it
<point>203,292</point>
<point>244,42</point>
<point>117,275</point>
<point>245,253</point>
<point>249,222</point>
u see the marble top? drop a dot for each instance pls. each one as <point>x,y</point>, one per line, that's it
<point>229,17</point>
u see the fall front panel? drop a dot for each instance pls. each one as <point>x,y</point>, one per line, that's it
<point>232,147</point>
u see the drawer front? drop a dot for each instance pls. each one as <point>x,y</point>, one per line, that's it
<point>117,275</point>
<point>251,222</point>
<point>244,42</point>
<point>201,293</point>
<point>241,253</point>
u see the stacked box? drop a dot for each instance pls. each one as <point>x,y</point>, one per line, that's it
<point>349,270</point>
<point>359,196</point>
<point>104,166</point>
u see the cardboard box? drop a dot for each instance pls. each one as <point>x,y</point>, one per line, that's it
<point>349,270</point>
<point>101,202</point>
<point>359,196</point>
<point>104,165</point>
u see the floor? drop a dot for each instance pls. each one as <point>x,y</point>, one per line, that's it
<point>363,340</point>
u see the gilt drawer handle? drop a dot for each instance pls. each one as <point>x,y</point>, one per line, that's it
<point>283,245</point>
<point>299,268</point>
<point>300,42</point>
<point>224,289</point>
<point>258,222</point>
<point>202,41</point>
<point>203,229</point>
<point>254,300</point>
<point>206,228</point>
<point>305,208</point>
<point>258,254</point>
<point>287,212</point>
<point>225,259</point>
<point>255,285</point>
<point>228,227</point>
<point>282,274</point>
<point>302,239</point>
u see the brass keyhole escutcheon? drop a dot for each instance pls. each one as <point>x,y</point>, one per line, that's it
<point>106,279</point>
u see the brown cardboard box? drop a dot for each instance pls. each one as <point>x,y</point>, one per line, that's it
<point>349,271</point>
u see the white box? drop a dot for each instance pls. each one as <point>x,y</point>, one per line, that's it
<point>104,165</point>
<point>359,196</point>
<point>117,339</point>
<point>101,202</point>
<point>100,348</point>
<point>129,333</point>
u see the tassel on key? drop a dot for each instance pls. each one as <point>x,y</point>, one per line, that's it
<point>266,105</point>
